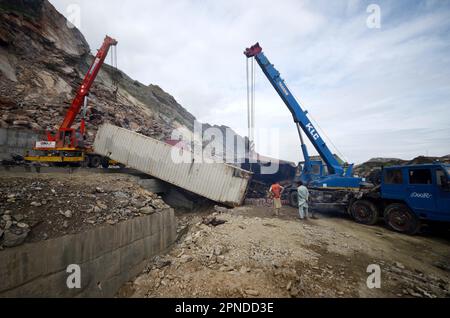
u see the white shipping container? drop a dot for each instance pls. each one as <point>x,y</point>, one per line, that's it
<point>216,181</point>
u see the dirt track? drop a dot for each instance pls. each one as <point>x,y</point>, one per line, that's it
<point>255,254</point>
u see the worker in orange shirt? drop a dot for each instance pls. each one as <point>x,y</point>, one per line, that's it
<point>276,190</point>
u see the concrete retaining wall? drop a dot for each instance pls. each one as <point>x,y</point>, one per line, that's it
<point>108,256</point>
<point>16,141</point>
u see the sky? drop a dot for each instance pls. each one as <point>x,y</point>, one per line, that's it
<point>375,89</point>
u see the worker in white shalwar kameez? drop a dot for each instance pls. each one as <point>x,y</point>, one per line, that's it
<point>303,197</point>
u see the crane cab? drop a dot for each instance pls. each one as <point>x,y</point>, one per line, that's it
<point>311,170</point>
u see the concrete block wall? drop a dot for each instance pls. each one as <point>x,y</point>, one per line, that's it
<point>17,141</point>
<point>108,256</point>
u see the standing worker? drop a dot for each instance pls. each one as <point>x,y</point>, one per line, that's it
<point>276,190</point>
<point>303,197</point>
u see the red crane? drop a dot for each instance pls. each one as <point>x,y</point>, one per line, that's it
<point>67,145</point>
<point>66,130</point>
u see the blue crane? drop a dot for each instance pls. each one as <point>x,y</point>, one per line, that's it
<point>333,175</point>
<point>406,196</point>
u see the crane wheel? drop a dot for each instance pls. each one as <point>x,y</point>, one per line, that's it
<point>364,212</point>
<point>95,162</point>
<point>293,199</point>
<point>399,218</point>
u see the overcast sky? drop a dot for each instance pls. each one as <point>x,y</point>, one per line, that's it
<point>376,92</point>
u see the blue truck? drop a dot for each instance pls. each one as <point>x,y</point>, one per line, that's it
<point>405,196</point>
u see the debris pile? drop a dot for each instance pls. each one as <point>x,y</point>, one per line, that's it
<point>232,265</point>
<point>252,256</point>
<point>38,208</point>
<point>258,190</point>
<point>416,283</point>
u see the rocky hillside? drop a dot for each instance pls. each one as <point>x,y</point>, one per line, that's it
<point>42,63</point>
<point>366,168</point>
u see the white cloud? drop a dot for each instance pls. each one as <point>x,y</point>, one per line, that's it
<point>376,92</point>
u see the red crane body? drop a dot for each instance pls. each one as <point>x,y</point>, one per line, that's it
<point>67,146</point>
<point>65,130</point>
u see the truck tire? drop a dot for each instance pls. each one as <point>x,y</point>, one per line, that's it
<point>401,219</point>
<point>293,199</point>
<point>105,163</point>
<point>95,161</point>
<point>364,212</point>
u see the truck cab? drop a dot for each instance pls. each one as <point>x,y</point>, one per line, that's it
<point>414,193</point>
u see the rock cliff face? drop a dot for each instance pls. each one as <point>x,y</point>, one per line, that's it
<point>42,63</point>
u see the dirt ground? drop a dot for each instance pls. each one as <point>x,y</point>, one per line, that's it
<point>255,254</point>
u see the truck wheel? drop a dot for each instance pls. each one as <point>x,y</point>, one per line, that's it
<point>400,219</point>
<point>105,163</point>
<point>95,162</point>
<point>364,212</point>
<point>293,199</point>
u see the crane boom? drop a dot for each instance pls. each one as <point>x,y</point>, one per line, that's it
<point>67,145</point>
<point>299,115</point>
<point>88,80</point>
<point>314,172</point>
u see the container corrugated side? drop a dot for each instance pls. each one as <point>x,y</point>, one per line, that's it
<point>216,181</point>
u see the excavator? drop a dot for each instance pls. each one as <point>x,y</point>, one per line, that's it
<point>67,145</point>
<point>405,196</point>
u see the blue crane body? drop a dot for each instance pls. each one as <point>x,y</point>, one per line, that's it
<point>335,176</point>
<point>405,197</point>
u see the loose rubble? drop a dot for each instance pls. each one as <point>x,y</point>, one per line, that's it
<point>212,220</point>
<point>254,254</point>
<point>38,207</point>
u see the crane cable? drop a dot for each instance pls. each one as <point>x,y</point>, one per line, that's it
<point>115,77</point>
<point>248,108</point>
<point>253,104</point>
<point>251,79</point>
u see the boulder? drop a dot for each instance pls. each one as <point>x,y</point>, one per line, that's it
<point>11,239</point>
